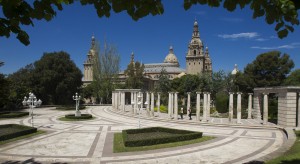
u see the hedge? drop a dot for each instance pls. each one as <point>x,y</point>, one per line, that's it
<point>13,114</point>
<point>9,131</point>
<point>83,116</point>
<point>178,135</point>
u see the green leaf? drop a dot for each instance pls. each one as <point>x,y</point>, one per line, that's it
<point>279,25</point>
<point>290,28</point>
<point>283,33</point>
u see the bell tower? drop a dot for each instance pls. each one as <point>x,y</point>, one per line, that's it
<point>197,60</point>
<point>88,64</point>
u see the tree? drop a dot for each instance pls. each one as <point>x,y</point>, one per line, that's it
<point>4,88</point>
<point>293,78</point>
<point>163,83</point>
<point>56,78</point>
<point>268,69</point>
<point>20,85</point>
<point>20,13</point>
<point>134,75</point>
<point>106,66</point>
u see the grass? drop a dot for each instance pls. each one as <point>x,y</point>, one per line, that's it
<point>11,115</point>
<point>292,156</point>
<point>73,119</point>
<point>119,147</point>
<point>22,137</point>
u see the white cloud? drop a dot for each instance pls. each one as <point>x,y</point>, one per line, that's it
<point>247,35</point>
<point>286,46</point>
<point>261,39</point>
<point>232,20</point>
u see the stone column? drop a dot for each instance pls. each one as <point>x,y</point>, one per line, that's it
<point>116,100</point>
<point>250,105</point>
<point>204,119</point>
<point>265,108</point>
<point>175,106</point>
<point>198,106</point>
<point>112,99</point>
<point>169,105</point>
<point>148,103</point>
<point>131,97</point>
<point>239,108</point>
<point>123,101</point>
<point>188,103</point>
<point>256,111</point>
<point>152,105</point>
<point>172,104</point>
<point>230,117</point>
<point>208,106</point>
<point>135,99</point>
<point>298,110</point>
<point>158,103</point>
<point>119,100</point>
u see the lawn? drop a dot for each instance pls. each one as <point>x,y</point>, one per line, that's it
<point>292,156</point>
<point>119,147</point>
<point>22,137</point>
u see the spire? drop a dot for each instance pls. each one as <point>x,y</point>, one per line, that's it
<point>206,52</point>
<point>93,42</point>
<point>171,51</point>
<point>132,58</point>
<point>235,70</point>
<point>196,30</point>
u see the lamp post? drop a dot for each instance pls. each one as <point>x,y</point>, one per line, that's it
<point>132,110</point>
<point>77,98</point>
<point>32,102</point>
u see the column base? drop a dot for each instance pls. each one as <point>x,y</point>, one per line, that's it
<point>77,114</point>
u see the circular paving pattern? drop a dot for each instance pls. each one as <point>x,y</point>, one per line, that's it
<point>91,141</point>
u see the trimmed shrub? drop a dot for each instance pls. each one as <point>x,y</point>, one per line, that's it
<point>81,107</point>
<point>83,116</point>
<point>9,131</point>
<point>147,139</point>
<point>13,114</point>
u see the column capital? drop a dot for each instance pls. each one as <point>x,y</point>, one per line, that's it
<point>250,93</point>
<point>176,92</point>
<point>170,92</point>
<point>188,93</point>
<point>198,92</point>
<point>208,93</point>
<point>231,93</point>
<point>158,92</point>
<point>239,93</point>
<point>265,93</point>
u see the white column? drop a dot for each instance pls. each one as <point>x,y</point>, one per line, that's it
<point>250,105</point>
<point>119,100</point>
<point>169,105</point>
<point>230,117</point>
<point>208,106</point>
<point>175,106</point>
<point>188,103</point>
<point>131,97</point>
<point>158,103</point>
<point>239,108</point>
<point>116,100</point>
<point>198,106</point>
<point>148,103</point>
<point>204,119</point>
<point>152,105</point>
<point>123,101</point>
<point>172,104</point>
<point>265,108</point>
<point>135,99</point>
<point>112,99</point>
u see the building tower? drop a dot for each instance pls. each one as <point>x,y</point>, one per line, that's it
<point>197,60</point>
<point>88,64</point>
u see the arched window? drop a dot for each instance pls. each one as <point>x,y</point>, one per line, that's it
<point>195,52</point>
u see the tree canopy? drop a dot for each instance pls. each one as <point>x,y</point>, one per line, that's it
<point>268,69</point>
<point>293,78</point>
<point>20,13</point>
<point>134,75</point>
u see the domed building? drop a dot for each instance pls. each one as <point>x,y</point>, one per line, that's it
<point>197,62</point>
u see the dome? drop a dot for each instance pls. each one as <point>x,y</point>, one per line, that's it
<point>171,58</point>
<point>195,23</point>
<point>235,70</point>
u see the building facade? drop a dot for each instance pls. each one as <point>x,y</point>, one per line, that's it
<point>197,62</point>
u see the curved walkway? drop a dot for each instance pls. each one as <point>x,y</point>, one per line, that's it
<point>92,141</point>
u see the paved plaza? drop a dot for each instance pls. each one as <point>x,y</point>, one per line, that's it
<point>92,141</point>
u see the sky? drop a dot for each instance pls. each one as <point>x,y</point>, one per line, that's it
<point>232,37</point>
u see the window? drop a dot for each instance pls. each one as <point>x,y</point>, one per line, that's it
<point>195,52</point>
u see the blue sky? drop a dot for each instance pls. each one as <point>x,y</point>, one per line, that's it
<point>232,37</point>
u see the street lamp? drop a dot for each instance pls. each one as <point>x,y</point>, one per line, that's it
<point>77,98</point>
<point>32,102</point>
<point>132,103</point>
